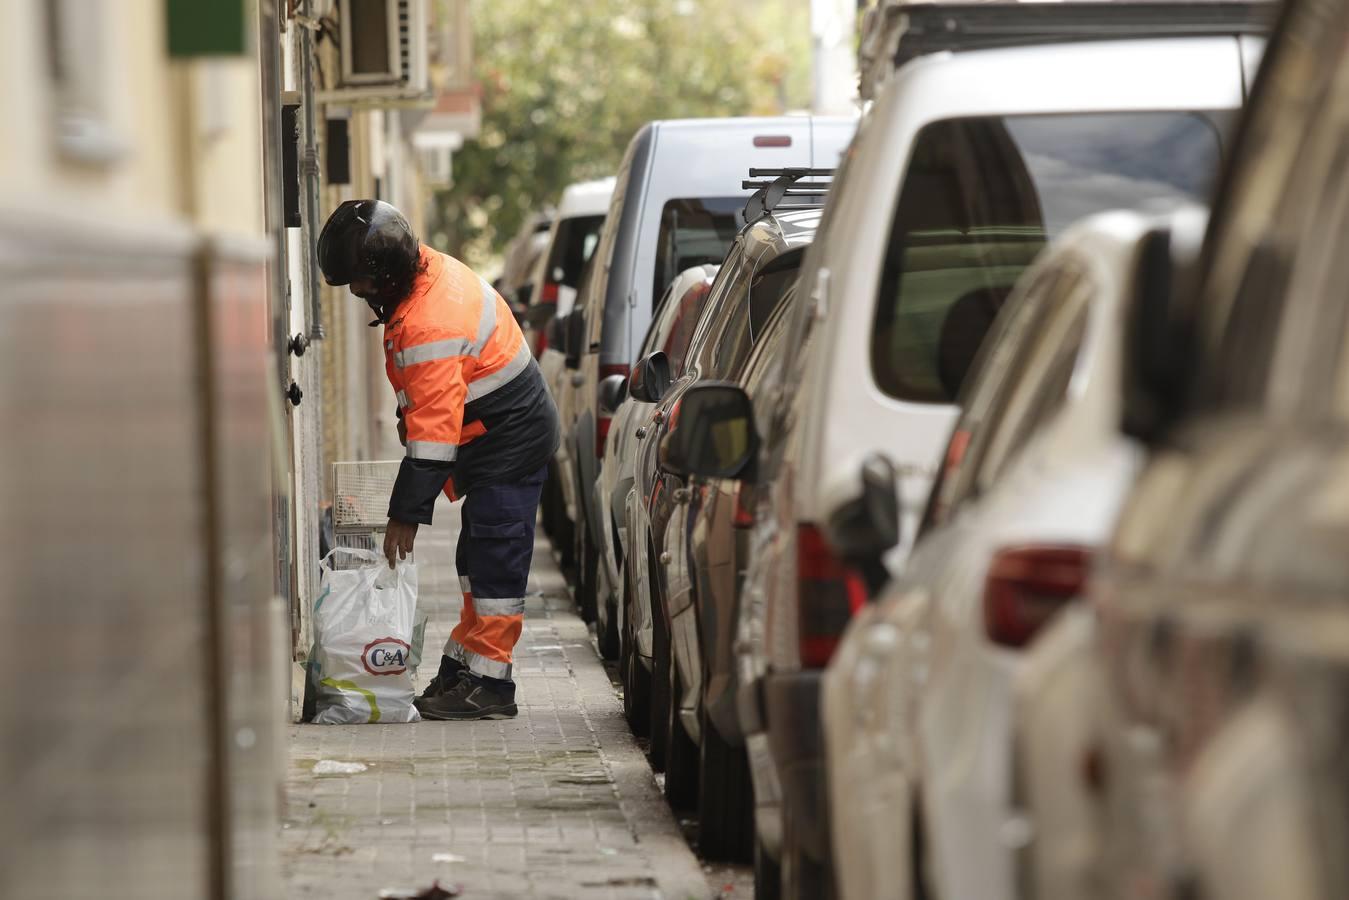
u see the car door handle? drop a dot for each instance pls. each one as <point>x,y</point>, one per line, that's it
<point>681,495</point>
<point>641,432</point>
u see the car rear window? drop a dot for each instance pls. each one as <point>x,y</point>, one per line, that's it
<point>983,195</point>
<point>749,313</point>
<point>575,243</point>
<point>693,232</point>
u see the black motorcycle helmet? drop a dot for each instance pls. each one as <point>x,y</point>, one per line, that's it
<point>370,239</point>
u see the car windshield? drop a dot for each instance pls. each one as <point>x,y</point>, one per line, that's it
<point>694,232</point>
<point>980,199</point>
<point>572,247</point>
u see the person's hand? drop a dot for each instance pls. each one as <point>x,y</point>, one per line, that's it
<point>398,539</point>
<point>402,431</point>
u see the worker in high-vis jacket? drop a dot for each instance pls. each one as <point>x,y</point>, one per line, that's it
<point>477,422</point>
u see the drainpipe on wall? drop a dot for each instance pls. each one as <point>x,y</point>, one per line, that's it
<point>833,25</point>
<point>270,30</point>
<point>309,169</point>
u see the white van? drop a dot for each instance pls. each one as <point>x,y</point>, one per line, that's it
<point>677,203</point>
<point>558,278</point>
<point>571,241</point>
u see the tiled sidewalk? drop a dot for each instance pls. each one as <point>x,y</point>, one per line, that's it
<point>556,803</point>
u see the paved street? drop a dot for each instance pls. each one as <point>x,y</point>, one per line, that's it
<point>558,803</point>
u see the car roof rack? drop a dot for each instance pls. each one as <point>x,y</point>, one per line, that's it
<point>778,184</point>
<point>936,27</point>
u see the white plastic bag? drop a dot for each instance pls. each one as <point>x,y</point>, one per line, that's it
<point>367,641</point>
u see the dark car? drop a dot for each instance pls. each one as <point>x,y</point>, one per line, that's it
<point>1223,601</point>
<point>670,618</point>
<point>671,330</point>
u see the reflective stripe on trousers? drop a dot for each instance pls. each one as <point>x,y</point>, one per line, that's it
<point>496,545</point>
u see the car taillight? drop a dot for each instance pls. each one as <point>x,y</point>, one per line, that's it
<point>540,343</point>
<point>549,293</point>
<point>603,420</point>
<point>602,434</point>
<point>1027,585</point>
<point>828,595</point>
<point>743,517</point>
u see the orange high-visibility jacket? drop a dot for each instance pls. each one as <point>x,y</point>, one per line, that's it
<point>469,391</point>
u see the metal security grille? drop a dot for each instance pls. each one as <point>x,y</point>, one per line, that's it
<point>361,504</point>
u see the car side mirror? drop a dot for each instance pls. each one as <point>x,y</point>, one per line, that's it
<point>613,391</point>
<point>1159,343</point>
<point>523,293</point>
<point>711,433</point>
<point>651,378</point>
<point>866,528</point>
<point>576,338</point>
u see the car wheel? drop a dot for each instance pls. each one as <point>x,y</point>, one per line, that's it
<point>566,546</point>
<point>803,878</point>
<point>725,800</point>
<point>636,678</point>
<point>560,530</point>
<point>546,508</point>
<point>586,571</point>
<point>660,681</point>
<point>921,889</point>
<point>607,633</point>
<point>767,873</point>
<point>681,754</point>
<point>587,568</point>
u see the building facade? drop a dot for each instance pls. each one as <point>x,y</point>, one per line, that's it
<point>166,165</point>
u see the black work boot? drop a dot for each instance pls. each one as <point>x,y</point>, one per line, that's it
<point>474,697</point>
<point>451,671</point>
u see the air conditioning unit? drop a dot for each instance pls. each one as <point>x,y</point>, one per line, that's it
<point>383,47</point>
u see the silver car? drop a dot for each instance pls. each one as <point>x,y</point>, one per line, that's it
<point>677,314</point>
<point>1223,602</point>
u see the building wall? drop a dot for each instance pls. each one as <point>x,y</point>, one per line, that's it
<point>176,131</point>
<point>138,403</point>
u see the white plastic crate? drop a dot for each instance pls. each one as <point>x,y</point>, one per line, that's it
<point>361,495</point>
<point>361,506</point>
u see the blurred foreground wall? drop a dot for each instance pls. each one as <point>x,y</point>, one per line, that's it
<point>138,732</point>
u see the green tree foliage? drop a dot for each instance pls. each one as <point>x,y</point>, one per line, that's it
<point>566,84</point>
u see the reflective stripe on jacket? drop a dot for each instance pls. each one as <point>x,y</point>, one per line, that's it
<point>468,389</point>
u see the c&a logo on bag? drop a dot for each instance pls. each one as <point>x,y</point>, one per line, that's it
<point>386,656</point>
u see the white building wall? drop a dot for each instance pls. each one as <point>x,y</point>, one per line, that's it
<point>833,27</point>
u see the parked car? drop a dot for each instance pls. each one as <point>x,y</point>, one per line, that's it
<point>964,168</point>
<point>747,304</point>
<point>1222,622</point>
<point>711,544</point>
<point>670,332</point>
<point>918,701</point>
<point>553,504</point>
<point>676,204</point>
<point>558,363</point>
<point>574,234</point>
<point>520,259</point>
